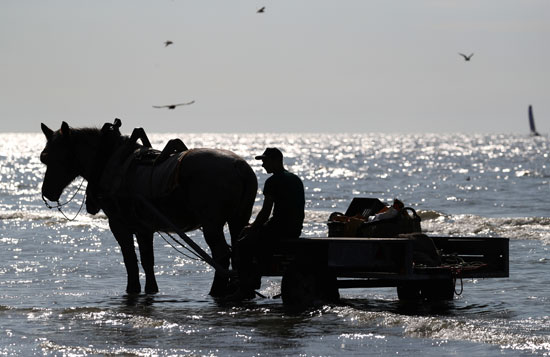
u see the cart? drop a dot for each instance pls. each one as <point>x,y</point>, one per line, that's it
<point>420,267</point>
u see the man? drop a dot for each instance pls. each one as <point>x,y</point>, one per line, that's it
<point>284,196</point>
<point>280,218</point>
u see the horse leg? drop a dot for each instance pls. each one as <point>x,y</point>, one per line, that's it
<point>214,237</point>
<point>243,210</point>
<point>125,240</point>
<point>146,253</point>
<point>236,227</point>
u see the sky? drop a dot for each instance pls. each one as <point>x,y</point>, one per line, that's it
<point>301,66</point>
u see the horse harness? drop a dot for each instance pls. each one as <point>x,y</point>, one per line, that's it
<point>122,170</point>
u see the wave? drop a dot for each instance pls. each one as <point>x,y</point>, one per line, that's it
<point>438,223</point>
<point>430,214</point>
<point>521,337</point>
<point>488,332</point>
<point>28,216</point>
<point>42,215</point>
<point>51,218</point>
<point>315,223</point>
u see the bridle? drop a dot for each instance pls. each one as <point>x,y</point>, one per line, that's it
<point>108,131</point>
<point>59,205</point>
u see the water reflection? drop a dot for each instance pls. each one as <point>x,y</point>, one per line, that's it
<point>133,300</point>
<point>411,307</point>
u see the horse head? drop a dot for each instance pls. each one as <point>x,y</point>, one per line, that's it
<point>59,158</point>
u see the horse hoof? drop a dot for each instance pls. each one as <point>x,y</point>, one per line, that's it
<point>220,287</point>
<point>133,289</point>
<point>217,293</point>
<point>153,290</point>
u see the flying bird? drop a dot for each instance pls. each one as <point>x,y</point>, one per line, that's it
<point>168,43</point>
<point>261,10</point>
<point>172,106</point>
<point>466,58</point>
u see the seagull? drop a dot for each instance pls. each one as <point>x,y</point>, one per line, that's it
<point>261,10</point>
<point>466,58</point>
<point>172,106</point>
<point>168,43</point>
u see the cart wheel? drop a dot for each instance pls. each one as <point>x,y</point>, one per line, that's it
<point>443,289</point>
<point>298,289</point>
<point>409,292</point>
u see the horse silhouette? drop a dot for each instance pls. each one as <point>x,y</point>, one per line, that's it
<point>197,188</point>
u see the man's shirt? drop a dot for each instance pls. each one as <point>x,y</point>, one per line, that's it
<point>287,192</point>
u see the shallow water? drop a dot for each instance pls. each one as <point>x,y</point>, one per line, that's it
<point>62,283</point>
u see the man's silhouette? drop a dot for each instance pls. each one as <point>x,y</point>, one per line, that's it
<point>280,218</point>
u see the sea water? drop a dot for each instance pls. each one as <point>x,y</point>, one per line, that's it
<point>62,282</point>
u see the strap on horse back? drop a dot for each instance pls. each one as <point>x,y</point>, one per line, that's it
<point>139,133</point>
<point>109,134</point>
<point>174,146</point>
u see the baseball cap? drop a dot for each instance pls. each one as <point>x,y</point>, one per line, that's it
<point>271,153</point>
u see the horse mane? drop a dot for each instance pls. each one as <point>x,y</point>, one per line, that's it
<point>88,131</point>
<point>101,141</point>
<point>91,134</point>
<point>105,141</point>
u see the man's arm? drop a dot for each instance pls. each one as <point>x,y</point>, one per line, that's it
<point>264,213</point>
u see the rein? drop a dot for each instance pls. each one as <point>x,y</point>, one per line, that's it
<point>198,257</point>
<point>59,205</point>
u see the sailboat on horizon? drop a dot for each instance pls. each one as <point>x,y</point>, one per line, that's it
<point>534,131</point>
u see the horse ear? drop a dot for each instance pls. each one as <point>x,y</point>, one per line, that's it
<point>47,131</point>
<point>65,129</point>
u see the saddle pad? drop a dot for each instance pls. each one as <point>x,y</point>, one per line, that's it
<point>153,181</point>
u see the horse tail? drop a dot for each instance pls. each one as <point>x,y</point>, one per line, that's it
<point>243,211</point>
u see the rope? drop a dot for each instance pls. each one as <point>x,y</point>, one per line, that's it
<point>197,257</point>
<point>59,205</point>
<point>63,204</point>
<point>457,265</point>
<point>458,293</point>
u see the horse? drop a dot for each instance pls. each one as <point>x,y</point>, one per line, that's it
<point>196,188</point>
